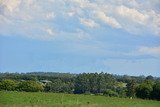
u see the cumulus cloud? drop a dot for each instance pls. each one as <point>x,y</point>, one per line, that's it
<point>132,14</point>
<point>154,22</point>
<point>106,19</point>
<point>81,3</point>
<point>34,16</point>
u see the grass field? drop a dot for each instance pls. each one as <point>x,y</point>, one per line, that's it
<point>24,99</point>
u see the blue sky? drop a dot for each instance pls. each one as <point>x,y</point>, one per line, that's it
<point>76,36</point>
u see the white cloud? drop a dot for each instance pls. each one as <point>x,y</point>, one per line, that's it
<point>50,15</point>
<point>50,31</point>
<point>88,22</point>
<point>150,50</point>
<point>71,13</point>
<point>9,5</point>
<point>154,22</point>
<point>81,3</point>
<point>131,16</point>
<point>108,20</point>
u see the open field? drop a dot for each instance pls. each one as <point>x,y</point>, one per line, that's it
<point>38,99</point>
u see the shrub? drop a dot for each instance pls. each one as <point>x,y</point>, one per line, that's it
<point>8,85</point>
<point>30,86</point>
<point>144,90</point>
<point>110,93</point>
<point>156,91</point>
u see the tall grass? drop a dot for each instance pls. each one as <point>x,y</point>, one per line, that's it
<point>38,99</point>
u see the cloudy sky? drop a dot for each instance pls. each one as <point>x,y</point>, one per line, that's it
<point>118,37</point>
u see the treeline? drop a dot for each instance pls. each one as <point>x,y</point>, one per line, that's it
<point>85,83</point>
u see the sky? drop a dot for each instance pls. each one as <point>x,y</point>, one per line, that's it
<point>76,36</point>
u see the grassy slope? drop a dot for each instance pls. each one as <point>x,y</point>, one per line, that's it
<point>23,99</point>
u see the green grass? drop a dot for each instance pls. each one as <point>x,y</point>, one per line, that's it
<point>38,99</point>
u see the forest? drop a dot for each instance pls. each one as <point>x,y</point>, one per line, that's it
<point>104,84</point>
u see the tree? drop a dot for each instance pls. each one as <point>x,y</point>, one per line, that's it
<point>156,91</point>
<point>59,86</point>
<point>47,87</point>
<point>120,88</point>
<point>110,81</point>
<point>30,86</point>
<point>150,78</point>
<point>101,83</point>
<point>93,83</point>
<point>131,86</point>
<point>144,90</point>
<point>82,84</point>
<point>8,85</point>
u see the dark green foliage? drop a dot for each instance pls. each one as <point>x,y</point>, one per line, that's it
<point>121,89</point>
<point>156,91</point>
<point>82,83</point>
<point>85,83</point>
<point>144,90</point>
<point>93,83</point>
<point>150,78</point>
<point>110,93</point>
<point>127,79</point>
<point>38,76</point>
<point>59,86</point>
<point>131,88</point>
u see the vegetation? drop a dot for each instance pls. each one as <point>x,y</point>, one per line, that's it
<point>41,99</point>
<point>85,83</point>
<point>155,94</point>
<point>131,86</point>
<point>29,86</point>
<point>145,89</point>
<point>7,84</point>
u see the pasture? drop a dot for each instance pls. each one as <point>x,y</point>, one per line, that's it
<point>40,99</point>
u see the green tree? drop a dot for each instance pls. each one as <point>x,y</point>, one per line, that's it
<point>82,83</point>
<point>131,87</point>
<point>93,82</point>
<point>8,85</point>
<point>101,83</point>
<point>59,86</point>
<point>110,81</point>
<point>30,86</point>
<point>120,88</point>
<point>156,91</point>
<point>150,77</point>
<point>144,90</point>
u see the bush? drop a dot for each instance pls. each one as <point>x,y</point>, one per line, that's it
<point>30,86</point>
<point>144,90</point>
<point>110,93</point>
<point>59,86</point>
<point>121,91</point>
<point>156,91</point>
<point>8,85</point>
